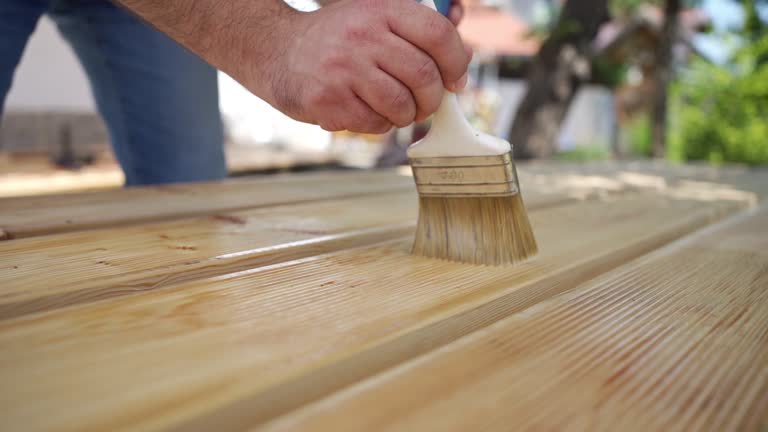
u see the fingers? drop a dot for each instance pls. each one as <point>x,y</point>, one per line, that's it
<point>416,70</point>
<point>432,33</point>
<point>351,113</point>
<point>387,96</point>
<point>367,65</point>
<point>363,119</point>
<point>456,13</point>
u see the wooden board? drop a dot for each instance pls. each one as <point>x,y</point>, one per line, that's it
<point>675,341</point>
<point>39,215</point>
<point>48,272</point>
<point>237,349</point>
<point>603,177</point>
<point>98,264</point>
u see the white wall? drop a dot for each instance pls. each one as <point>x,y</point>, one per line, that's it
<point>49,77</point>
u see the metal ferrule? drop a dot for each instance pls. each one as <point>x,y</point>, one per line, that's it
<point>465,176</point>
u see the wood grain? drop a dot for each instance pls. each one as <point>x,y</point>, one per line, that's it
<point>235,350</point>
<point>550,182</point>
<point>48,272</point>
<point>674,341</point>
<point>39,215</point>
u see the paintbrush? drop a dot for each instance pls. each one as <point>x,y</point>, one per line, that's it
<point>470,206</point>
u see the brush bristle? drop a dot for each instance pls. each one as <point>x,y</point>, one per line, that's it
<point>482,230</point>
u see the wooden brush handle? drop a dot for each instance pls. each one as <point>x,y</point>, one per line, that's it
<point>449,111</point>
<point>451,134</point>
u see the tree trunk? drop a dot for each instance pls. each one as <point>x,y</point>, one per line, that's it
<point>556,73</point>
<point>663,77</point>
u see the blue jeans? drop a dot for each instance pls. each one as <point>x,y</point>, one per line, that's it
<point>159,101</point>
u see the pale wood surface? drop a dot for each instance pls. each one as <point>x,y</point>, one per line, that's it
<point>224,319</point>
<point>211,343</point>
<point>37,215</point>
<point>96,264</point>
<point>53,271</point>
<point>675,341</point>
<point>33,174</point>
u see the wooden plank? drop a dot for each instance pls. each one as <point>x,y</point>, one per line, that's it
<point>675,341</point>
<point>587,179</point>
<point>39,215</point>
<point>98,264</point>
<point>48,272</point>
<point>600,179</point>
<point>33,216</point>
<point>230,351</point>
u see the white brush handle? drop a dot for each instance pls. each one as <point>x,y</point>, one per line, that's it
<point>452,135</point>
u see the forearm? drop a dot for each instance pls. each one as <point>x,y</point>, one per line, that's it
<point>215,29</point>
<point>360,65</point>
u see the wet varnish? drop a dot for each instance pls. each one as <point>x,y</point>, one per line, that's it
<point>305,311</point>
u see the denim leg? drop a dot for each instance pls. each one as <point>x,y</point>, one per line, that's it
<point>18,19</point>
<point>160,101</point>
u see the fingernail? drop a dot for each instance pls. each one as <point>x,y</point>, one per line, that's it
<point>460,84</point>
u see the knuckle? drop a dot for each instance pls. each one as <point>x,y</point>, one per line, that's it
<point>426,74</point>
<point>335,62</point>
<point>358,33</point>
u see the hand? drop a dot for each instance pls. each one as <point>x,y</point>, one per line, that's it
<point>364,65</point>
<point>457,12</point>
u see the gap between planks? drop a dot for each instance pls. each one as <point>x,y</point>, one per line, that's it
<point>99,264</point>
<point>241,349</point>
<point>676,340</point>
<point>42,215</point>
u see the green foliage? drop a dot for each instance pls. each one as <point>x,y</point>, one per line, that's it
<point>720,113</point>
<point>639,134</point>
<point>628,7</point>
<point>608,73</point>
<point>584,154</point>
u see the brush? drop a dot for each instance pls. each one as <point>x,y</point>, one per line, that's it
<point>470,206</point>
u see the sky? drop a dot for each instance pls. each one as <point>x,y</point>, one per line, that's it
<point>725,15</point>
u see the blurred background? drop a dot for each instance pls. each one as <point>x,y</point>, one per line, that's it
<point>682,80</point>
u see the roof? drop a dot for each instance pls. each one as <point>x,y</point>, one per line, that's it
<point>492,30</point>
<point>488,29</point>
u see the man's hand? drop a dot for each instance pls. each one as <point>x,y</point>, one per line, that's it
<point>365,65</point>
<point>359,65</point>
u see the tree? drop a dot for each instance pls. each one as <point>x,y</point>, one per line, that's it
<point>664,75</point>
<point>721,110</point>
<point>754,29</point>
<point>562,65</point>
